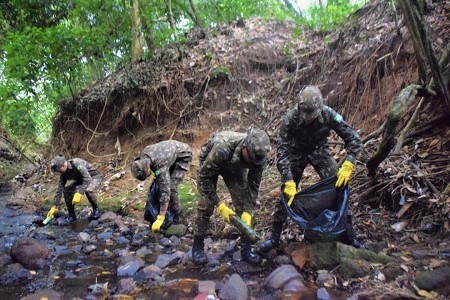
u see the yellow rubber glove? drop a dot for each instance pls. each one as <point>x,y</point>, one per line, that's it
<point>225,211</point>
<point>156,226</point>
<point>344,173</point>
<point>290,190</point>
<point>76,198</point>
<point>50,215</point>
<point>247,218</point>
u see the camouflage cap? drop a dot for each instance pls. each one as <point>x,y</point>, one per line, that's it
<point>139,168</point>
<point>258,144</point>
<point>57,162</point>
<point>310,103</point>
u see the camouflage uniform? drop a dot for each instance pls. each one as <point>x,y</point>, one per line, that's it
<point>170,161</point>
<point>85,180</point>
<point>222,155</point>
<point>300,144</point>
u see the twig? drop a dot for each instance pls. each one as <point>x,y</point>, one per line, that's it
<point>18,150</point>
<point>408,126</point>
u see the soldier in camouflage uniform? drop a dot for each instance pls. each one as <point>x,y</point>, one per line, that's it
<point>85,180</point>
<point>303,140</point>
<point>168,161</point>
<point>240,159</point>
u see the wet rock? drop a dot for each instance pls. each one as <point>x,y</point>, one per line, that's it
<point>130,257</point>
<point>159,248</point>
<point>4,260</point>
<point>15,274</point>
<point>143,251</point>
<point>68,275</point>
<point>323,278</point>
<point>126,286</point>
<point>435,280</point>
<point>176,230</point>
<point>234,289</point>
<point>181,289</point>
<point>120,225</point>
<point>149,272</point>
<point>44,294</point>
<point>29,253</point>
<point>165,242</point>
<point>122,240</point>
<point>104,236</point>
<point>107,217</point>
<point>62,250</point>
<point>84,237</point>
<point>93,224</point>
<point>352,268</point>
<point>322,294</point>
<point>282,260</point>
<point>213,261</point>
<point>230,249</point>
<point>137,242</point>
<point>285,278</point>
<point>165,260</point>
<point>174,240</point>
<point>88,249</point>
<point>128,269</point>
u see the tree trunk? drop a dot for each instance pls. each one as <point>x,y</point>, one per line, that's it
<point>195,17</point>
<point>397,109</point>
<point>136,39</point>
<point>170,16</point>
<point>413,13</point>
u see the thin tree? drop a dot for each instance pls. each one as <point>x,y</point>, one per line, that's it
<point>136,30</point>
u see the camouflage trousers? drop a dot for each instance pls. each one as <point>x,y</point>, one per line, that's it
<point>71,188</point>
<point>323,163</point>
<point>236,182</point>
<point>177,172</point>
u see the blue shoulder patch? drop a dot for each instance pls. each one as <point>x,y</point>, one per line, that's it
<point>338,118</point>
<point>79,167</point>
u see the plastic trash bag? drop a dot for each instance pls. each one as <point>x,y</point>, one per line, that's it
<point>152,207</point>
<point>321,210</point>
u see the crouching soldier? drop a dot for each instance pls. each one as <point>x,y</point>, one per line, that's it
<point>303,140</point>
<point>168,161</point>
<point>240,159</point>
<point>85,178</point>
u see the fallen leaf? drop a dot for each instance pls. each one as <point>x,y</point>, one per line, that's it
<point>434,142</point>
<point>404,209</point>
<point>405,258</point>
<point>399,226</point>
<point>428,295</point>
<point>416,238</point>
<point>405,268</point>
<point>434,263</point>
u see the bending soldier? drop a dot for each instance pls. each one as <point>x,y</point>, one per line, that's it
<point>240,159</point>
<point>168,161</point>
<point>303,140</point>
<point>85,178</point>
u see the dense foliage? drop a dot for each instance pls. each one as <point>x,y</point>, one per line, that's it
<point>51,49</point>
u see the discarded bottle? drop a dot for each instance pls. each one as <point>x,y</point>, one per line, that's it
<point>211,295</point>
<point>50,215</point>
<point>246,230</point>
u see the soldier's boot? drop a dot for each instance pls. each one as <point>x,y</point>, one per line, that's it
<point>350,237</point>
<point>95,214</point>
<point>273,241</point>
<point>247,254</point>
<point>72,215</point>
<point>177,217</point>
<point>198,253</point>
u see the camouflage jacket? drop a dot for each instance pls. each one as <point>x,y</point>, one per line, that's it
<point>79,170</point>
<point>222,153</point>
<point>298,138</point>
<point>163,156</point>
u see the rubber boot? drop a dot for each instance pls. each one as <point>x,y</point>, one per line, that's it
<point>350,237</point>
<point>72,215</point>
<point>198,253</point>
<point>95,214</point>
<point>273,241</point>
<point>247,254</point>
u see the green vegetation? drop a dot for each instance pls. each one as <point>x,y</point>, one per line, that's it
<point>51,49</point>
<point>189,196</point>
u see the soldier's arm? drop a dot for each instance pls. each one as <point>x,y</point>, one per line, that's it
<point>351,138</point>
<point>59,191</point>
<point>210,169</point>
<point>254,181</point>
<point>284,141</point>
<point>163,178</point>
<point>85,175</point>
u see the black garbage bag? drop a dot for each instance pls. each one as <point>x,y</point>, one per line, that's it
<point>152,207</point>
<point>321,210</point>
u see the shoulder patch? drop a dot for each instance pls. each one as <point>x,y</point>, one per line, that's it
<point>157,172</point>
<point>338,118</point>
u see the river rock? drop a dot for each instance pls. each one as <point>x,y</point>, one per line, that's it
<point>107,217</point>
<point>206,286</point>
<point>435,280</point>
<point>44,294</point>
<point>126,286</point>
<point>104,236</point>
<point>177,230</point>
<point>15,274</point>
<point>122,240</point>
<point>285,278</point>
<point>165,260</point>
<point>323,278</point>
<point>128,269</point>
<point>322,294</point>
<point>4,260</point>
<point>143,251</point>
<point>88,249</point>
<point>149,272</point>
<point>130,257</point>
<point>234,289</point>
<point>30,253</point>
<point>84,237</point>
<point>352,268</point>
